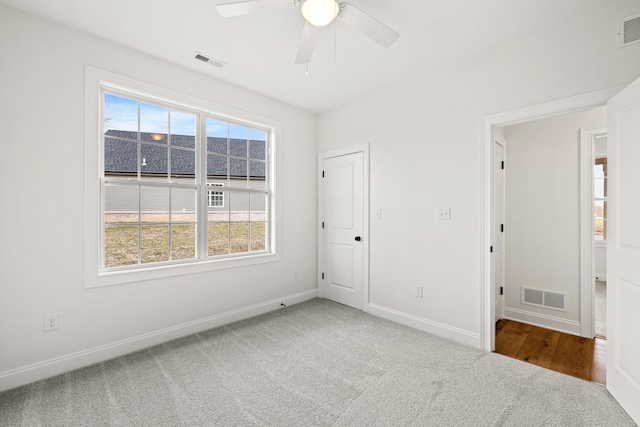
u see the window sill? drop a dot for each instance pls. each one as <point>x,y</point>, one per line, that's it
<point>153,272</point>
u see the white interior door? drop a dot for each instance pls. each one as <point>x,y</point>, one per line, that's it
<point>498,226</point>
<point>342,232</point>
<point>623,251</point>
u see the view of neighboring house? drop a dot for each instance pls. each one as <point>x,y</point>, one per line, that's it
<point>228,160</point>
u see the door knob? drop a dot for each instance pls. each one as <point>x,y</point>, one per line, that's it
<point>358,238</point>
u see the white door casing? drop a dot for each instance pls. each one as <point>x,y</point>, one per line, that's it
<point>498,225</point>
<point>343,228</point>
<point>587,226</point>
<point>489,123</point>
<point>623,249</point>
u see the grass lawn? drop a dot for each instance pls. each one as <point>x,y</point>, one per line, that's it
<point>121,242</point>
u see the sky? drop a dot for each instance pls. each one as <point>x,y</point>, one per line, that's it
<point>122,114</point>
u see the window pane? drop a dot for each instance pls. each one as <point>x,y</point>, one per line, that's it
<point>216,167</point>
<point>154,123</point>
<point>239,237</point>
<point>238,147</point>
<point>600,209</point>
<point>121,205</point>
<point>600,188</point>
<point>183,129</point>
<point>216,198</point>
<point>257,149</point>
<point>218,234</point>
<point>217,135</point>
<point>238,173</point>
<point>183,241</point>
<point>217,145</point>
<point>238,132</point>
<point>258,207</point>
<point>219,214</point>
<point>258,173</point>
<point>120,157</point>
<point>154,243</point>
<point>258,236</point>
<point>120,114</point>
<point>183,164</point>
<point>183,205</point>
<point>120,246</point>
<point>154,160</point>
<point>239,206</point>
<point>154,205</point>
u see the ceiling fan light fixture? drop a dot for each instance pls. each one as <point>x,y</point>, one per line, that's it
<point>320,12</point>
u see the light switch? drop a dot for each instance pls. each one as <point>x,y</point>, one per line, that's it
<point>378,213</point>
<point>444,213</point>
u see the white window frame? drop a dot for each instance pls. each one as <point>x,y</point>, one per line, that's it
<point>95,275</point>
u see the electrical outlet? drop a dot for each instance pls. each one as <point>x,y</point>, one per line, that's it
<point>418,291</point>
<point>51,322</point>
<point>444,214</point>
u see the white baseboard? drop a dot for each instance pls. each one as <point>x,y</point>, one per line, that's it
<point>435,328</point>
<point>49,368</point>
<point>550,322</point>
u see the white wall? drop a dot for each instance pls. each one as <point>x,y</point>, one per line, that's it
<point>542,239</point>
<point>41,255</point>
<point>425,137</point>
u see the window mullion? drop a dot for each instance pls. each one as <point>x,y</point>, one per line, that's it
<point>249,221</point>
<point>202,216</point>
<point>271,190</point>
<point>139,224</point>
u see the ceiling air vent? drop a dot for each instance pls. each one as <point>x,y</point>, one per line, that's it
<point>207,59</point>
<point>629,31</point>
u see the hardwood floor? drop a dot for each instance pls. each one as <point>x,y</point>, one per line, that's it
<point>569,354</point>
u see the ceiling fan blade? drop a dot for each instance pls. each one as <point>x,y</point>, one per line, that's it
<point>307,43</point>
<point>253,6</point>
<point>367,25</point>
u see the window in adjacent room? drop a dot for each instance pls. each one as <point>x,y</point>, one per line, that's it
<point>600,198</point>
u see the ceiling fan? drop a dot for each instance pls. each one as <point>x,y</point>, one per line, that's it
<point>317,14</point>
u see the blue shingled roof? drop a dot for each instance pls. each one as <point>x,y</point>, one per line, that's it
<point>121,154</point>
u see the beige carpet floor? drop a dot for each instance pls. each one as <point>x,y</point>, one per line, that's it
<point>313,364</point>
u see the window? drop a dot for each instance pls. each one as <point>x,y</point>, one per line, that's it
<point>215,199</point>
<point>600,198</point>
<point>161,161</point>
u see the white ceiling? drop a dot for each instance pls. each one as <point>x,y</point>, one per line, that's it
<point>260,49</point>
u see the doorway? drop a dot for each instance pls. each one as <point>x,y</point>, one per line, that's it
<point>543,244</point>
<point>490,124</point>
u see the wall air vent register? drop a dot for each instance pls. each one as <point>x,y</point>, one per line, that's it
<point>543,298</point>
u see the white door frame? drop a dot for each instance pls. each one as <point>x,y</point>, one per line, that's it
<point>587,245</point>
<point>364,149</point>
<point>499,139</point>
<point>548,109</point>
